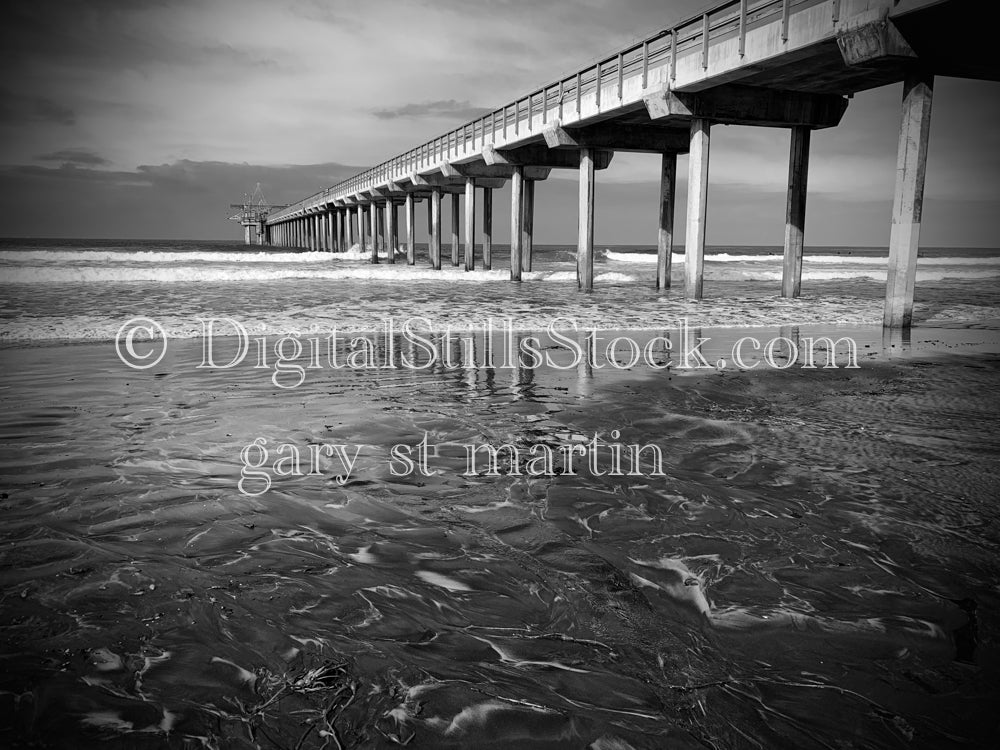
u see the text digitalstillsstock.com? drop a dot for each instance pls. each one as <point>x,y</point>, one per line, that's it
<point>597,457</point>
<point>415,344</point>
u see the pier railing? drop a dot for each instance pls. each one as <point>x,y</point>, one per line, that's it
<point>609,83</point>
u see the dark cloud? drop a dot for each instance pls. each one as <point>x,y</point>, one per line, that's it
<point>174,200</point>
<point>80,156</point>
<point>20,109</point>
<point>444,108</point>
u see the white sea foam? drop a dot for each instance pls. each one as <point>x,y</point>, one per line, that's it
<point>331,270</point>
<point>103,256</point>
<point>860,260</point>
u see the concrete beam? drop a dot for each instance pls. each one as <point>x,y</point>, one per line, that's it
<point>748,105</point>
<point>618,137</point>
<point>540,155</point>
<point>870,39</point>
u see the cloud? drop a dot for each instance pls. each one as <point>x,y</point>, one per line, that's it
<point>79,156</point>
<point>179,199</point>
<point>444,108</point>
<point>21,109</point>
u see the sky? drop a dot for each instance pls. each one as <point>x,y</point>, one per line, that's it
<point>129,119</point>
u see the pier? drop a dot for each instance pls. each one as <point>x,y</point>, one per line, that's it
<point>791,64</point>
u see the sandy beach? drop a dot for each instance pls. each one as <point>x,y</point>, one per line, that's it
<point>821,556</point>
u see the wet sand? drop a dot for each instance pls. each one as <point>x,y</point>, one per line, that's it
<point>818,568</point>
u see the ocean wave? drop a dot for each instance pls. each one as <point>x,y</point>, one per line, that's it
<point>735,313</point>
<point>846,260</point>
<point>402,272</point>
<point>25,257</point>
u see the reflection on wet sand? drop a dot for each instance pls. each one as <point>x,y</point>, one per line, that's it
<point>817,567</point>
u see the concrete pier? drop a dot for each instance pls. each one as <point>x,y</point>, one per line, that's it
<point>410,230</point>
<point>529,224</point>
<point>795,213</point>
<point>697,209</point>
<point>516,221</point>
<point>908,198</point>
<point>665,235</point>
<point>362,228</point>
<point>435,248</point>
<point>789,64</point>
<point>470,224</point>
<point>488,228</point>
<point>585,238</point>
<point>391,237</point>
<point>455,209</point>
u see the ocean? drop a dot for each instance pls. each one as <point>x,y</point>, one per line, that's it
<point>83,290</point>
<point>531,518</point>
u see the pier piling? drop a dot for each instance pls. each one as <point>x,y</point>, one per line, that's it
<point>435,248</point>
<point>585,240</point>
<point>455,208</point>
<point>488,228</point>
<point>908,198</point>
<point>697,208</point>
<point>665,234</point>
<point>795,213</point>
<point>410,230</point>
<point>529,224</point>
<point>516,221</point>
<point>470,224</point>
<point>391,236</point>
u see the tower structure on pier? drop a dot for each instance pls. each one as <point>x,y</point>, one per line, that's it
<point>252,216</point>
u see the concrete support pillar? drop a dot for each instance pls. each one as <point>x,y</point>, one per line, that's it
<point>488,228</point>
<point>350,229</point>
<point>908,198</point>
<point>391,235</point>
<point>470,224</point>
<point>694,242</point>
<point>246,235</point>
<point>795,212</point>
<point>314,232</point>
<point>585,237</point>
<point>529,224</point>
<point>343,220</point>
<point>373,230</point>
<point>665,234</point>
<point>455,208</point>
<point>516,221</point>
<point>411,257</point>
<point>383,236</point>
<point>435,246</point>
<point>362,228</point>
